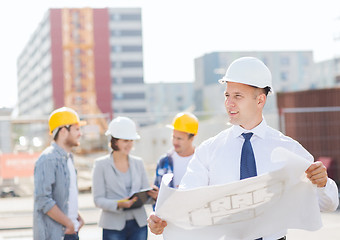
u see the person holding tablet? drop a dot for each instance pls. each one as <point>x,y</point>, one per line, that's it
<point>116,177</point>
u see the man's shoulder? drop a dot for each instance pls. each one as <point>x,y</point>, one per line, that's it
<point>165,158</point>
<point>277,138</point>
<point>273,134</point>
<point>218,137</point>
<point>49,153</point>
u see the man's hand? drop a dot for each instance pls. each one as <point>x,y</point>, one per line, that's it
<point>57,215</point>
<point>69,227</point>
<point>154,192</point>
<point>317,174</point>
<point>156,224</point>
<point>81,222</point>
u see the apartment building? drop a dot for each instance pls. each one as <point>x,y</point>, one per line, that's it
<point>87,59</point>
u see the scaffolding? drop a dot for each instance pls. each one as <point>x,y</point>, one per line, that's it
<point>79,67</point>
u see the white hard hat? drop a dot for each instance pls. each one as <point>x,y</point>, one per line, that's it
<point>250,71</point>
<point>122,128</point>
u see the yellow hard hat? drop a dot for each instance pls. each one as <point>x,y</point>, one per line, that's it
<point>185,122</point>
<point>62,117</point>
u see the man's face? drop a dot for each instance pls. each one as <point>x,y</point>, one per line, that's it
<point>72,140</point>
<point>244,104</point>
<point>181,141</point>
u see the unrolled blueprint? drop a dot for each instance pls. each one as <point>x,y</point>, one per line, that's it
<point>247,209</point>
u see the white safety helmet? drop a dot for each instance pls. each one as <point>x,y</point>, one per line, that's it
<point>122,128</point>
<point>250,71</point>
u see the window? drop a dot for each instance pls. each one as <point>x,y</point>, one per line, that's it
<point>116,49</point>
<point>134,95</point>
<point>127,48</point>
<point>130,17</point>
<point>132,64</point>
<point>284,76</point>
<point>129,96</point>
<point>132,80</point>
<point>118,96</point>
<point>305,61</point>
<point>337,79</point>
<point>115,17</point>
<point>128,33</point>
<point>116,80</point>
<point>115,33</point>
<point>284,61</point>
<point>125,17</point>
<point>131,48</point>
<point>134,110</point>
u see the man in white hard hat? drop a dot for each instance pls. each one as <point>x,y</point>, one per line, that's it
<point>244,150</point>
<point>55,185</point>
<point>185,127</point>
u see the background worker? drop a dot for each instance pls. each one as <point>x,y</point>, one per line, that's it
<point>116,177</point>
<point>185,127</point>
<point>55,181</point>
<point>244,150</point>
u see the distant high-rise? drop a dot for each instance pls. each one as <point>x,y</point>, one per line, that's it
<point>165,100</point>
<point>87,59</point>
<point>5,129</point>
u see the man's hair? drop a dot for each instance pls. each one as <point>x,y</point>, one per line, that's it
<point>190,135</point>
<point>56,131</point>
<point>114,144</point>
<point>265,90</point>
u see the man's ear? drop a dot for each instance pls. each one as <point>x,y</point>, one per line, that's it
<point>62,131</point>
<point>261,99</point>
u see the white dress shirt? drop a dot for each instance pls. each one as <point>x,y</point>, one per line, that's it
<point>217,161</point>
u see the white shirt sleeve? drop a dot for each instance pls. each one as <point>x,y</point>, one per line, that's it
<point>197,174</point>
<point>328,196</point>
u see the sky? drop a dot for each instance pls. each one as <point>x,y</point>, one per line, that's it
<point>175,32</point>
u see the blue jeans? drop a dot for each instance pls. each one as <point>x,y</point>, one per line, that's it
<point>71,237</point>
<point>131,231</point>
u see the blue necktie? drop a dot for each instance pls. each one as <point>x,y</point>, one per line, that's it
<point>248,165</point>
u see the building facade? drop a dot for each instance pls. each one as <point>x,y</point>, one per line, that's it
<point>5,130</point>
<point>167,99</point>
<point>326,74</point>
<point>87,59</point>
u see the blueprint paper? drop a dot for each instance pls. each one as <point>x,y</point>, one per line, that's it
<point>247,209</point>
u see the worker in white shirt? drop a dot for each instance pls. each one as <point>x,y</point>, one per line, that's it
<point>185,127</point>
<point>220,160</point>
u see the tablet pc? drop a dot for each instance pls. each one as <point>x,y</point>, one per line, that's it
<point>142,196</point>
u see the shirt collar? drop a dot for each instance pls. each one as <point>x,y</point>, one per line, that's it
<point>259,130</point>
<point>61,151</point>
